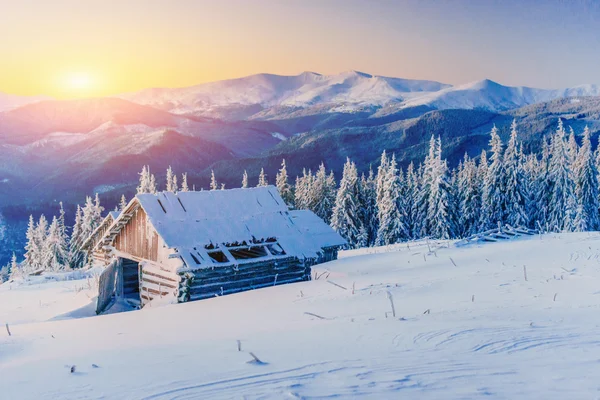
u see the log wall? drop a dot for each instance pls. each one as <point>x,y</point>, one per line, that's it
<point>219,281</point>
<point>138,237</point>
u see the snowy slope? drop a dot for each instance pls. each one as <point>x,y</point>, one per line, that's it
<point>468,325</point>
<point>490,95</point>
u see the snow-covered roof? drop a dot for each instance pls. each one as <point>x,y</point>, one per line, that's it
<point>114,214</point>
<point>312,226</point>
<point>190,221</point>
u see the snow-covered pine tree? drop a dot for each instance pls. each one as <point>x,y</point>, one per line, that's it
<point>11,270</point>
<point>184,183</point>
<point>368,205</point>
<point>322,194</point>
<point>412,193</point>
<point>169,179</point>
<point>222,186</point>
<point>303,190</point>
<point>75,259</point>
<point>285,189</point>
<point>122,203</point>
<point>493,200</point>
<point>562,204</point>
<point>262,179</point>
<point>346,214</point>
<point>40,235</point>
<point>97,211</point>
<point>516,213</point>
<point>586,187</point>
<point>572,147</point>
<point>382,173</point>
<point>213,181</point>
<point>427,171</point>
<point>54,248</point>
<point>440,218</point>
<point>174,184</point>
<point>63,236</point>
<point>541,188</point>
<point>469,197</point>
<point>152,185</point>
<point>144,185</point>
<point>245,180</point>
<point>391,225</point>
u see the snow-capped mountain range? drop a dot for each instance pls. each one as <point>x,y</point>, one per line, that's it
<point>353,89</point>
<point>251,122</point>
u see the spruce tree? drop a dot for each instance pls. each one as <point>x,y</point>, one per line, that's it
<point>169,178</point>
<point>245,180</point>
<point>184,183</point>
<point>54,248</point>
<point>516,213</point>
<point>285,189</point>
<point>346,214</point>
<point>586,188</point>
<point>33,252</point>
<point>213,181</point>
<point>440,215</point>
<point>368,205</point>
<point>262,179</point>
<point>122,203</point>
<point>493,200</point>
<point>391,225</point>
<point>562,204</point>
<point>469,197</point>
<point>322,194</point>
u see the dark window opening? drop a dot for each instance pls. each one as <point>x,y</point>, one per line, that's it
<point>248,253</point>
<point>218,256</point>
<point>210,246</point>
<point>276,249</point>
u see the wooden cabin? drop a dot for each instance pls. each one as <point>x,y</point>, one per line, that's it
<point>196,245</point>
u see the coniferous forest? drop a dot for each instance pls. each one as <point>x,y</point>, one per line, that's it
<point>555,190</point>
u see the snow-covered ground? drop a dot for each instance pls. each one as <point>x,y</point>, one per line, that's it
<point>468,325</point>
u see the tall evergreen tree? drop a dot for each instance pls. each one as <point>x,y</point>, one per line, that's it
<point>184,183</point>
<point>515,193</point>
<point>122,203</point>
<point>368,205</point>
<point>33,251</point>
<point>469,197</point>
<point>586,188</point>
<point>285,189</point>
<point>213,181</point>
<point>169,178</point>
<point>346,215</point>
<point>562,204</point>
<point>322,194</point>
<point>391,225</point>
<point>493,200</point>
<point>262,179</point>
<point>55,253</point>
<point>245,180</point>
<point>439,220</point>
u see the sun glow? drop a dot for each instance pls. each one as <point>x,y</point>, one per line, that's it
<point>78,84</point>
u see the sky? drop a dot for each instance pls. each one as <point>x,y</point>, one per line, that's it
<point>73,48</point>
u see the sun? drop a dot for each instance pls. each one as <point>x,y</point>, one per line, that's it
<point>79,81</point>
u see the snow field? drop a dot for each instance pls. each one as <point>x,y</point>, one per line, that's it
<point>488,332</point>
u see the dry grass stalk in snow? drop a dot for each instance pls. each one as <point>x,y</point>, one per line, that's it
<point>335,284</point>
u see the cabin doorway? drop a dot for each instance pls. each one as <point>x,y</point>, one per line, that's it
<point>131,281</point>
